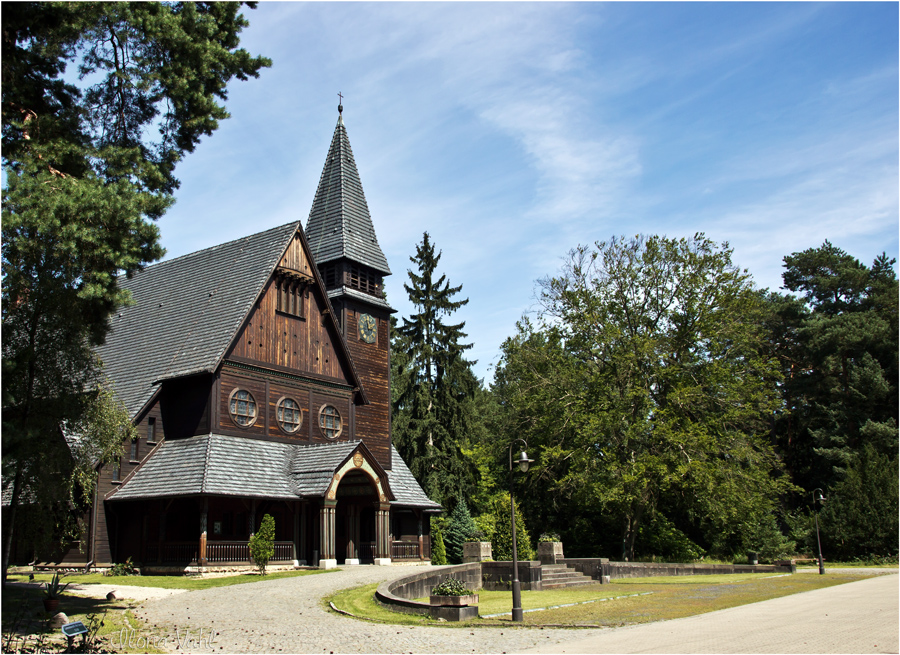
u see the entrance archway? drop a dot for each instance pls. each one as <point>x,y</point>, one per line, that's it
<point>355,537</point>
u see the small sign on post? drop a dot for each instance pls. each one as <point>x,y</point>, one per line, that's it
<point>73,629</point>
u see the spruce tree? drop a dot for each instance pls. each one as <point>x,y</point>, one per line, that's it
<point>460,530</point>
<point>433,383</point>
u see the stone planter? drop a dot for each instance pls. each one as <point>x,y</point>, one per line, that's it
<point>476,551</point>
<point>550,551</point>
<point>454,601</point>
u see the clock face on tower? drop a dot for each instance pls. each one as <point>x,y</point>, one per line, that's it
<point>367,328</point>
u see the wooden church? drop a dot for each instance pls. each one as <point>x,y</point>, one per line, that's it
<point>257,373</point>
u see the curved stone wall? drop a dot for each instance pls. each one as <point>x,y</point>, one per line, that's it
<point>398,593</point>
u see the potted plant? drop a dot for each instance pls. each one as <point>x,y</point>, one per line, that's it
<point>549,548</point>
<point>453,592</point>
<point>53,591</point>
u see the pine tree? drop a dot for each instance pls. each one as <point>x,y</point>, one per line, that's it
<point>88,171</point>
<point>433,383</point>
<point>841,371</point>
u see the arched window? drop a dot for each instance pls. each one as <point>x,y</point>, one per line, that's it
<point>242,407</point>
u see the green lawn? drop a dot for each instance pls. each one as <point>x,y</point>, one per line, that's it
<point>25,626</point>
<point>624,602</point>
<point>171,581</point>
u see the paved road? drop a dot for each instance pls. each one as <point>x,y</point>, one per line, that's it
<point>858,617</point>
<point>284,616</point>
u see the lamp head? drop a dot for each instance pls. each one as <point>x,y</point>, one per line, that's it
<point>523,461</point>
<point>820,498</point>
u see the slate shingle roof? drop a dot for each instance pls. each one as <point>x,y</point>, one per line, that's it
<point>187,311</point>
<point>225,465</point>
<point>339,224</point>
<point>343,292</point>
<point>405,487</point>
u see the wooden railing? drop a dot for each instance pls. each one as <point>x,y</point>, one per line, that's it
<point>367,551</point>
<point>227,551</point>
<point>284,551</point>
<point>173,551</point>
<point>216,551</point>
<point>405,550</point>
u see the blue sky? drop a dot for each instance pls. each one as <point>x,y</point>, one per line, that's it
<point>513,132</point>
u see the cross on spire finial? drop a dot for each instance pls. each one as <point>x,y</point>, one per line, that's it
<point>340,102</point>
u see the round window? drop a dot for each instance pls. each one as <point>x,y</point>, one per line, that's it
<point>242,407</point>
<point>330,422</point>
<point>288,415</point>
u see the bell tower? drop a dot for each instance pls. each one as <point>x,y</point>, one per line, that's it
<point>352,265</point>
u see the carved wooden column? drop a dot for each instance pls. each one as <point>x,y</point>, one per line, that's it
<point>162,530</point>
<point>382,534</point>
<point>419,532</point>
<point>326,535</point>
<point>304,559</point>
<point>204,512</point>
<point>296,545</point>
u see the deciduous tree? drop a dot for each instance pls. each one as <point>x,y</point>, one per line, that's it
<point>646,387</point>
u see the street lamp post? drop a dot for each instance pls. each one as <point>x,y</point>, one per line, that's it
<point>523,463</point>
<point>820,499</point>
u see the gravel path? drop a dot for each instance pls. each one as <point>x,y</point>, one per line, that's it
<point>285,616</point>
<point>100,590</point>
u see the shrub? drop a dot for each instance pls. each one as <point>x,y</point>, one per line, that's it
<point>438,551</point>
<point>501,541</point>
<point>548,537</point>
<point>450,587</point>
<point>262,544</point>
<point>123,568</point>
<point>660,538</point>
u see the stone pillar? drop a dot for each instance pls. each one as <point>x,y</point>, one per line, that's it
<point>327,558</point>
<point>382,534</point>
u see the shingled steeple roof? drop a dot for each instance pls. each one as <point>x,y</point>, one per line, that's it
<point>339,224</point>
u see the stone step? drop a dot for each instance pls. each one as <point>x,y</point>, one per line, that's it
<point>558,576</point>
<point>563,574</point>
<point>562,585</point>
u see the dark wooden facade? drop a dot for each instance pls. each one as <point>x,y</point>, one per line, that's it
<point>297,350</point>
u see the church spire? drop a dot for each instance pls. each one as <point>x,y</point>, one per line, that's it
<point>339,225</point>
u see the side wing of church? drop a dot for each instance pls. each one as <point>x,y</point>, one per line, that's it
<point>257,374</point>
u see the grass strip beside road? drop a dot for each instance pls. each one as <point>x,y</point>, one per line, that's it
<point>671,597</point>
<point>190,583</point>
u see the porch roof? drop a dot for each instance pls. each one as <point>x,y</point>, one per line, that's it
<point>223,465</point>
